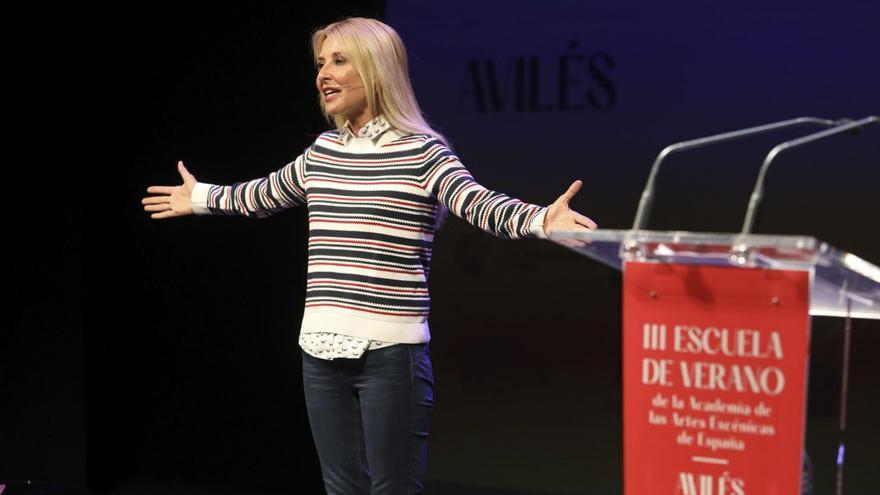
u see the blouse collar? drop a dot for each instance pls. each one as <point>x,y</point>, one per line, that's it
<point>372,129</point>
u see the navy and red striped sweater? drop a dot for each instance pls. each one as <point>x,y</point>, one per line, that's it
<point>372,208</point>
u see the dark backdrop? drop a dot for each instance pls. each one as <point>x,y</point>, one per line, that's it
<point>165,351</point>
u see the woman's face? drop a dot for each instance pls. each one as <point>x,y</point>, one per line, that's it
<point>340,84</point>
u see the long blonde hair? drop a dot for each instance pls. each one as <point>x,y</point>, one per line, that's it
<point>378,54</point>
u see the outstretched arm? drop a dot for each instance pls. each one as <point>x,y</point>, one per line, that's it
<point>257,198</point>
<point>492,211</point>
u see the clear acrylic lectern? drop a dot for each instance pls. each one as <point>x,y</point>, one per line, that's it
<point>841,284</point>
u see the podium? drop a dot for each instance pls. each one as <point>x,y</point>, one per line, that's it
<point>716,331</point>
<point>716,339</point>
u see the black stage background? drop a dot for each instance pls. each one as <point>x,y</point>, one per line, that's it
<point>151,356</point>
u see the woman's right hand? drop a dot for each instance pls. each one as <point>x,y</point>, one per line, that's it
<point>173,201</point>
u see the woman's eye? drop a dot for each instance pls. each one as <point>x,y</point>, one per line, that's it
<point>339,61</point>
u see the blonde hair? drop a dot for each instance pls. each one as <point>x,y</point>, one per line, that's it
<point>378,54</point>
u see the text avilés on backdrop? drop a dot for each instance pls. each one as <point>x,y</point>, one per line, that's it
<point>571,81</point>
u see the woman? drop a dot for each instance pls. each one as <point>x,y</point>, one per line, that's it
<point>376,186</point>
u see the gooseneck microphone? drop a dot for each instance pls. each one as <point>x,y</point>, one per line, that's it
<point>854,126</point>
<point>647,194</point>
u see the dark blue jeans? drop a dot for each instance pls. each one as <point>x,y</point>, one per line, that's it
<point>369,418</point>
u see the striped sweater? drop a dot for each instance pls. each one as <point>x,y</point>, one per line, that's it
<point>371,208</point>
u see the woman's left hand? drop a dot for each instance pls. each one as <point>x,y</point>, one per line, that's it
<point>560,216</point>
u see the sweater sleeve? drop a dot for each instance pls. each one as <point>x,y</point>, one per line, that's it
<point>257,198</point>
<point>494,212</point>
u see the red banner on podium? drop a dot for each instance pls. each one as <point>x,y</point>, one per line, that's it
<point>714,379</point>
